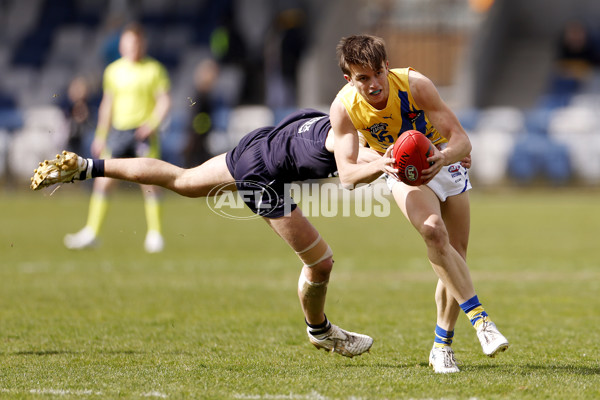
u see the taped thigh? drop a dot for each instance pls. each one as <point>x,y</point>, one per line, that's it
<point>318,251</point>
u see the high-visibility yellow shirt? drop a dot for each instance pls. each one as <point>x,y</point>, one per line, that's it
<point>134,87</point>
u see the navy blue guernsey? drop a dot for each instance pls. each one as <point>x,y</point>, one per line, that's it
<point>295,149</point>
<point>267,159</point>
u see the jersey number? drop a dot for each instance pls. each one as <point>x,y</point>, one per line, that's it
<point>380,133</point>
<point>383,137</point>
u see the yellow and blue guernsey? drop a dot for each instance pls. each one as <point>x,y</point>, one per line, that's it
<point>134,86</point>
<point>381,128</point>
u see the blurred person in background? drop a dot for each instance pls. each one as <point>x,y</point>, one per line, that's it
<point>577,55</point>
<point>79,112</point>
<point>135,102</point>
<point>112,30</point>
<point>229,48</point>
<point>203,105</point>
<point>285,44</point>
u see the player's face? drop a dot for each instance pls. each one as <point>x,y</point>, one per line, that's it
<point>132,46</point>
<point>372,85</point>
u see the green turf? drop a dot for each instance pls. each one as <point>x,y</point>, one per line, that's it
<point>216,315</point>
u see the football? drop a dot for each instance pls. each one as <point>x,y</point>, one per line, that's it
<point>410,151</point>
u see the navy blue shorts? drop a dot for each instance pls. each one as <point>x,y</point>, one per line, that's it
<point>260,190</point>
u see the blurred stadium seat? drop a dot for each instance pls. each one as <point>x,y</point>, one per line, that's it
<point>244,119</point>
<point>41,136</point>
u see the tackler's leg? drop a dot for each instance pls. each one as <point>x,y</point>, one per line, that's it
<point>317,259</point>
<point>193,182</point>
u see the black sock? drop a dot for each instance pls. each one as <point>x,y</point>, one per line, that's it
<point>319,328</point>
<point>97,168</point>
<point>94,168</point>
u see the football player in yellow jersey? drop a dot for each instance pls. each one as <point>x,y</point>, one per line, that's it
<point>135,101</point>
<point>380,104</point>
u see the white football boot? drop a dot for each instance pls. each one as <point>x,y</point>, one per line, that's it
<point>154,242</point>
<point>348,344</point>
<point>442,360</point>
<point>492,341</point>
<point>65,168</point>
<point>85,238</point>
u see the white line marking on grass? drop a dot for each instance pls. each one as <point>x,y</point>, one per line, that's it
<point>311,396</point>
<point>292,396</point>
<point>61,392</point>
<point>155,394</point>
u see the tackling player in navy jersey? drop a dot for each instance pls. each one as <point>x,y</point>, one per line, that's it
<point>299,148</point>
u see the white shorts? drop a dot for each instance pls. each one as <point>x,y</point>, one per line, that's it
<point>452,179</point>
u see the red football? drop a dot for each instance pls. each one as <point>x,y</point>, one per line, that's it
<point>410,152</point>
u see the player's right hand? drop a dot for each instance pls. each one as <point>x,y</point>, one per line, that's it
<point>466,162</point>
<point>388,163</point>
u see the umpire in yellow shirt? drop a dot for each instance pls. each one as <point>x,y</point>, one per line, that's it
<point>135,101</point>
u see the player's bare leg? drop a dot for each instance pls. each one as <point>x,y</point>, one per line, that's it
<point>422,208</point>
<point>317,257</point>
<point>192,182</point>
<point>448,309</point>
<point>299,234</point>
<point>441,356</point>
<point>456,215</point>
<point>457,218</point>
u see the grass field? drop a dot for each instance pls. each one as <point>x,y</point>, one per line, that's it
<point>215,316</point>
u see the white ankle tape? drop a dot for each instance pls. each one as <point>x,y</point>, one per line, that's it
<point>88,172</point>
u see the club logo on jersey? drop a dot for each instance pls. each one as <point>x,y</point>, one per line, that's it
<point>380,133</point>
<point>306,126</point>
<point>413,115</point>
